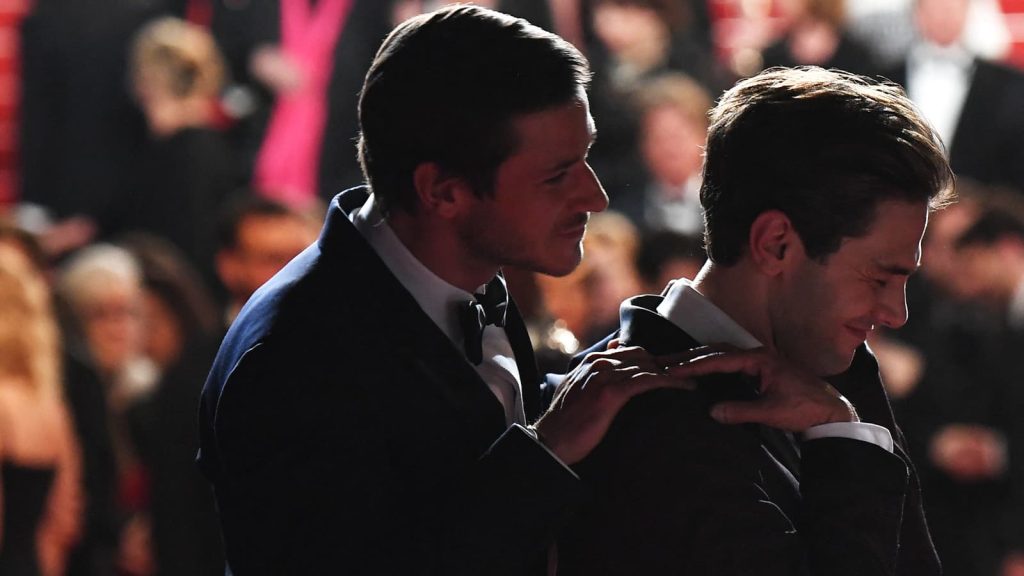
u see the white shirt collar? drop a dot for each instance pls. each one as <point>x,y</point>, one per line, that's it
<point>692,312</point>
<point>438,298</point>
<point>708,324</point>
<point>441,300</point>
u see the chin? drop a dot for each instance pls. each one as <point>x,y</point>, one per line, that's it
<point>559,267</point>
<point>835,363</point>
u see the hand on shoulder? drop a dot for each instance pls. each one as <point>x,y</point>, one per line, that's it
<point>791,398</point>
<point>593,393</point>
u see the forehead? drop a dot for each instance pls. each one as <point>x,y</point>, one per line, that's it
<point>894,238</point>
<point>553,132</point>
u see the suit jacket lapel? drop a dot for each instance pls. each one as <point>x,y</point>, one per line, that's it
<point>641,325</point>
<point>403,324</point>
<point>529,378</point>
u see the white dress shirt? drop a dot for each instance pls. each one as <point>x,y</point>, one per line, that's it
<point>441,301</point>
<point>938,78</point>
<point>706,323</point>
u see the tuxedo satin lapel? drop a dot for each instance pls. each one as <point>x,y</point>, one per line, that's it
<point>402,324</point>
<point>782,447</point>
<point>643,326</point>
<point>529,378</point>
<point>445,370</point>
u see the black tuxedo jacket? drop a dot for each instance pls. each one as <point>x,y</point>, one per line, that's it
<point>988,144</point>
<point>675,492</point>
<point>345,434</point>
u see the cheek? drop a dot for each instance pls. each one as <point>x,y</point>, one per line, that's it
<point>823,306</point>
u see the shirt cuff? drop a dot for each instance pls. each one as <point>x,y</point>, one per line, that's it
<point>536,438</point>
<point>864,431</point>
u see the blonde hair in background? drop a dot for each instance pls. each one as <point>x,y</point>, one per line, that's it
<point>29,337</point>
<point>179,55</point>
<point>678,91</point>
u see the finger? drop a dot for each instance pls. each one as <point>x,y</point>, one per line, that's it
<point>749,362</point>
<point>604,364</point>
<point>622,356</point>
<point>626,352</point>
<point>613,343</point>
<point>623,373</point>
<point>645,381</point>
<point>738,412</point>
<point>688,355</point>
<point>603,376</point>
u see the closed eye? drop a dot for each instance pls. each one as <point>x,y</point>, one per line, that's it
<point>557,178</point>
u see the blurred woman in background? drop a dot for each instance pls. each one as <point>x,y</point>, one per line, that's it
<point>180,336</point>
<point>184,172</point>
<point>40,498</point>
<point>100,290</point>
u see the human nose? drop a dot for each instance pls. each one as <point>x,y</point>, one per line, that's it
<point>593,191</point>
<point>892,311</point>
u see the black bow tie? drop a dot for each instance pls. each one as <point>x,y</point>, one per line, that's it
<point>488,308</point>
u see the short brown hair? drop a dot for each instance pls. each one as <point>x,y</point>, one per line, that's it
<point>824,147</point>
<point>444,88</point>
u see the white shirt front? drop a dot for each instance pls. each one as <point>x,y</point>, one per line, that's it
<point>938,78</point>
<point>441,301</point>
<point>706,323</point>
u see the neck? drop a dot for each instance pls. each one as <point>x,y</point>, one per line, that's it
<point>738,293</point>
<point>441,249</point>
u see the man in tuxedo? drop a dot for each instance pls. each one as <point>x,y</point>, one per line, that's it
<point>973,103</point>
<point>362,416</point>
<point>817,188</point>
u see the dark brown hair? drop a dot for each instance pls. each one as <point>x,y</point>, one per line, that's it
<point>444,87</point>
<point>824,147</point>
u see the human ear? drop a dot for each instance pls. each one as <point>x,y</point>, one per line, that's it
<point>438,191</point>
<point>771,240</point>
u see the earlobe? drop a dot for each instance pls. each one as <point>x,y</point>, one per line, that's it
<point>771,236</point>
<point>438,192</point>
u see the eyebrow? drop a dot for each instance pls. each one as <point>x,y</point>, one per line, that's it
<point>567,163</point>
<point>896,269</point>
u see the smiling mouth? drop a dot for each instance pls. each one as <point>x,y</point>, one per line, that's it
<point>860,333</point>
<point>578,226</point>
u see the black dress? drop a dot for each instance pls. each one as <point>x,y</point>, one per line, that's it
<point>25,491</point>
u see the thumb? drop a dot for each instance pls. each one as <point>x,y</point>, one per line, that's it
<point>737,412</point>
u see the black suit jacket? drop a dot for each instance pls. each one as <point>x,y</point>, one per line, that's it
<point>988,144</point>
<point>344,433</point>
<point>677,493</point>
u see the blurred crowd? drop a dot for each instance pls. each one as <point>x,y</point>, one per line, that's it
<point>161,159</point>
